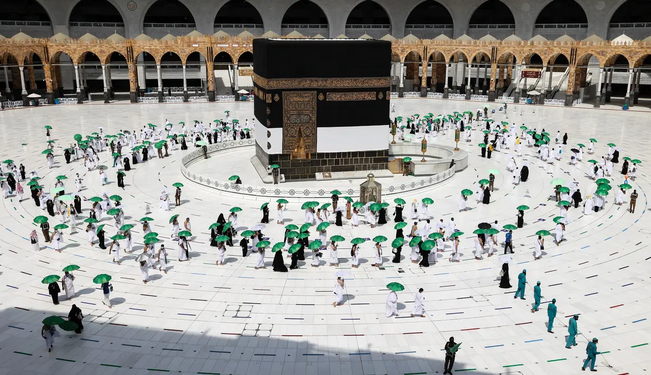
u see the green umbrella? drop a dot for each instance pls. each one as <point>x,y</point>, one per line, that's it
<point>636,161</point>
<point>264,205</point>
<point>602,181</point>
<point>612,145</point>
<point>66,198</point>
<point>32,183</point>
<point>337,238</point>
<point>115,198</point>
<point>466,192</point>
<point>400,225</point>
<point>113,211</point>
<point>159,145</point>
<point>291,227</point>
<point>224,238</point>
<point>435,236</point>
<point>625,186</point>
<point>48,127</point>
<point>542,233</point>
<point>455,348</point>
<point>53,320</point>
<point>77,137</point>
<point>399,201</point>
<point>291,234</point>
<point>202,143</point>
<point>523,127</point>
<point>479,231</point>
<point>428,245</point>
<point>315,245</point>
<point>99,228</point>
<point>50,279</point>
<point>177,184</point>
<point>510,227</point>
<point>564,203</point>
<point>305,206</point>
<point>415,241</point>
<point>322,227</point>
<point>91,220</point>
<point>146,218</point>
<point>580,145</point>
<point>592,161</point>
<point>68,326</point>
<point>173,217</point>
<point>126,227</point>
<point>384,205</point>
<point>357,241</point>
<point>484,182</point>
<point>456,234</point>
<point>557,181</point>
<point>493,171</point>
<point>397,242</point>
<point>396,287</point>
<point>522,208</point>
<point>55,191</point>
<point>428,201</point>
<point>277,247</point>
<point>247,233</point>
<point>325,206</point>
<point>118,237</point>
<point>305,227</point>
<point>605,187</point>
<point>40,219</point>
<point>274,166</point>
<point>70,268</point>
<point>627,158</point>
<point>62,177</point>
<point>102,278</point>
<point>379,239</point>
<point>96,199</point>
<point>282,201</point>
<point>303,235</point>
<point>358,205</point>
<point>602,193</point>
<point>151,235</point>
<point>557,219</point>
<point>185,233</point>
<point>375,207</point>
<point>233,177</point>
<point>406,160</point>
<point>593,140</point>
<point>61,226</point>
<point>335,192</point>
<point>262,244</point>
<point>294,248</point>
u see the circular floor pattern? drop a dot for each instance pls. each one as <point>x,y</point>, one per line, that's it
<point>200,318</point>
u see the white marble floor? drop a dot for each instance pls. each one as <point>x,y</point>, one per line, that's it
<point>200,318</point>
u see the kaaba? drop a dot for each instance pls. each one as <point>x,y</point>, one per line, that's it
<point>321,105</point>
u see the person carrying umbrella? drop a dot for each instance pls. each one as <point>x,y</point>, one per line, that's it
<point>49,332</point>
<point>451,348</point>
<point>75,315</point>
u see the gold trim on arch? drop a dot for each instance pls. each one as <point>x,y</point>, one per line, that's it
<point>320,83</point>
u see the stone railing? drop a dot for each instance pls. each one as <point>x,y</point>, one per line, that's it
<point>225,98</point>
<point>457,96</point>
<point>67,100</point>
<point>559,102</point>
<point>148,99</point>
<point>198,99</point>
<point>411,94</point>
<point>479,98</point>
<point>435,95</point>
<point>280,191</point>
<point>173,99</point>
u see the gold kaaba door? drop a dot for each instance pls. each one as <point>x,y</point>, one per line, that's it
<point>299,123</point>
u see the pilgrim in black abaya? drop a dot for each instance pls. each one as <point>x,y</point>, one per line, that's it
<point>279,263</point>
<point>487,196</point>
<point>77,204</point>
<point>294,264</point>
<point>397,215</point>
<point>382,219</point>
<point>524,174</point>
<point>520,218</point>
<point>265,215</point>
<point>338,218</point>
<point>505,281</point>
<point>396,256</point>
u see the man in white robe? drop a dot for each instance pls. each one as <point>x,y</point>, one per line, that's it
<point>392,305</point>
<point>419,304</point>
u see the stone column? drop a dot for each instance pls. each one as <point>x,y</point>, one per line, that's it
<point>571,79</point>
<point>423,79</point>
<point>401,87</point>
<point>32,78</point>
<point>141,72</point>
<point>49,87</point>
<point>133,82</point>
<point>80,97</point>
<point>597,102</point>
<point>518,74</point>
<point>543,78</point>
<point>477,80</point>
<point>210,70</point>
<point>24,90</point>
<point>500,83</point>
<point>7,89</point>
<point>160,83</point>
<point>609,85</point>
<point>84,83</point>
<point>434,76</point>
<point>185,85</point>
<point>107,96</point>
<point>446,90</point>
<point>484,84</point>
<point>491,90</point>
<point>468,89</point>
<point>627,98</point>
<point>636,93</point>
<point>549,85</point>
<point>455,86</point>
<point>109,81</point>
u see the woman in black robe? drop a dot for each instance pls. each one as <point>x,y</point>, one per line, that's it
<point>338,218</point>
<point>66,155</point>
<point>397,215</point>
<point>505,281</point>
<point>50,207</point>
<point>424,262</point>
<point>77,204</point>
<point>100,237</point>
<point>184,146</point>
<point>144,153</point>
<point>279,263</point>
<point>37,200</point>
<point>244,244</point>
<point>213,235</point>
<point>399,233</point>
<point>229,233</point>
<point>75,316</point>
<point>127,164</point>
<point>625,167</point>
<point>487,196</point>
<point>121,180</point>
<point>382,219</point>
<point>565,139</point>
<point>520,218</point>
<point>294,265</point>
<point>220,226</point>
<point>301,252</point>
<point>396,256</point>
<point>265,215</point>
<point>615,158</point>
<point>22,172</point>
<point>524,173</point>
<point>134,158</point>
<point>11,181</point>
